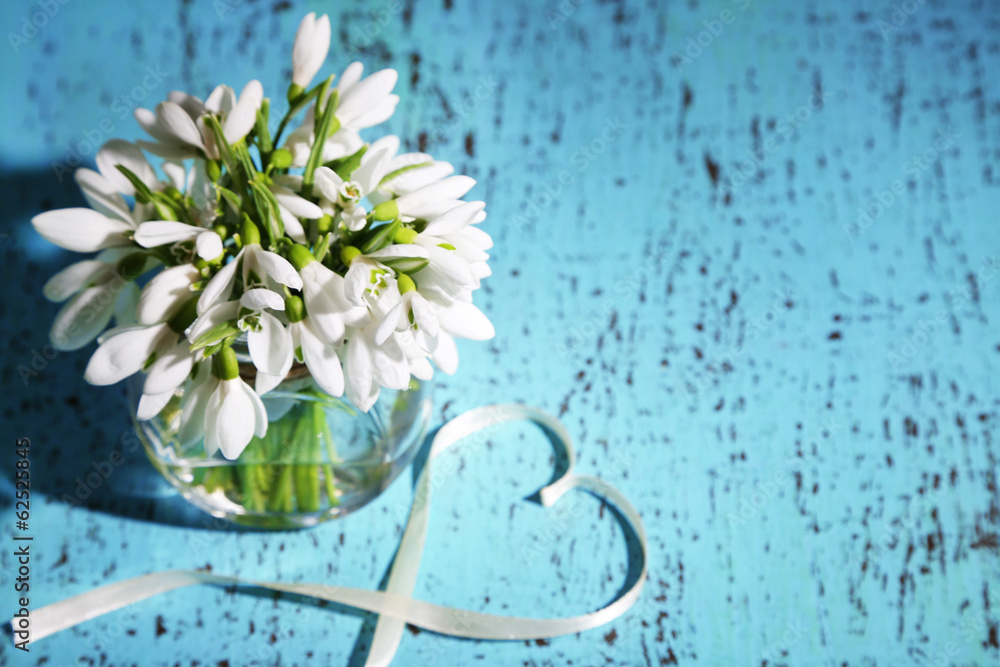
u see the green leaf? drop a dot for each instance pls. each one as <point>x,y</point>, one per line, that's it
<point>267,206</point>
<point>345,166</point>
<point>327,125</point>
<point>214,335</point>
<point>143,194</point>
<point>231,197</point>
<point>405,264</point>
<point>322,247</point>
<point>263,134</point>
<point>393,174</point>
<point>381,237</point>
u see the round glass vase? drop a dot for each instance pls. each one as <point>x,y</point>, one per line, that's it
<point>321,458</point>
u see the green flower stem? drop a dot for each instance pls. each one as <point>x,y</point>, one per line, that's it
<point>306,471</point>
<point>323,432</point>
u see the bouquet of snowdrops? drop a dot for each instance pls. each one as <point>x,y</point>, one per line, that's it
<point>312,248</point>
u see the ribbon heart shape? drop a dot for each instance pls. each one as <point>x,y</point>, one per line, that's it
<point>395,606</point>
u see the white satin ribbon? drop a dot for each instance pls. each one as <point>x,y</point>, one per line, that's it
<point>395,606</point>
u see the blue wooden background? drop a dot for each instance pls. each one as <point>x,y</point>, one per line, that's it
<point>747,250</point>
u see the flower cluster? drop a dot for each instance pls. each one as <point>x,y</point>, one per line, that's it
<point>313,248</point>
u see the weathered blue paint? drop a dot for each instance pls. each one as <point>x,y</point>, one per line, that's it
<point>720,344</point>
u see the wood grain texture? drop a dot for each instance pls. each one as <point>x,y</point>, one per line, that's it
<point>802,401</point>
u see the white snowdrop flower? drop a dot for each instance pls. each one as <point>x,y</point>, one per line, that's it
<point>371,366</point>
<point>82,229</point>
<point>329,310</point>
<point>312,42</point>
<point>166,293</point>
<point>269,342</point>
<point>234,413</point>
<point>414,314</point>
<point>260,268</point>
<point>365,102</point>
<point>338,195</point>
<point>154,233</point>
<point>311,348</point>
<point>179,128</point>
<point>104,188</point>
<point>93,290</point>
<point>367,275</point>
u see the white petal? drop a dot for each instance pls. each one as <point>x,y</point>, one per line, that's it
<point>161,232</point>
<point>312,43</point>
<point>169,371</point>
<point>102,195</point>
<point>424,315</point>
<point>194,405</point>
<point>446,355</point>
<point>208,245</point>
<point>372,170</point>
<point>322,361</point>
<point>148,121</point>
<point>465,321</point>
<point>454,220</point>
<point>171,150</point>
<point>178,123</point>
<point>225,311</point>
<point>389,324</point>
<point>271,346</point>
<point>191,104</point>
<point>81,229</point>
<point>260,298</point>
<point>326,303</point>
<point>297,205</point>
<point>419,177</point>
<point>293,227</point>
<point>278,268</point>
<point>151,405</point>
<point>328,182</point>
<point>82,318</point>
<point>242,118</point>
<point>380,112</point>
<point>365,94</point>
<point>391,368</point>
<point>163,296</point>
<point>75,277</point>
<point>259,411</point>
<point>398,250</point>
<point>265,382</point>
<point>221,100</point>
<point>128,155</point>
<point>123,354</point>
<point>350,77</point>
<point>176,174</point>
<point>221,285</point>
<point>360,373</point>
<point>125,305</point>
<point>416,202</point>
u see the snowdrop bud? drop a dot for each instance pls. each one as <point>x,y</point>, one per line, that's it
<point>184,317</point>
<point>300,257</point>
<point>348,253</point>
<point>281,158</point>
<point>213,170</point>
<point>405,283</point>
<point>249,232</point>
<point>294,309</point>
<point>387,210</point>
<point>131,267</point>
<point>324,224</point>
<point>405,236</point>
<point>312,42</point>
<point>224,364</point>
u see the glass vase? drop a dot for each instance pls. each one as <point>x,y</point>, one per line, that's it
<point>321,458</point>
